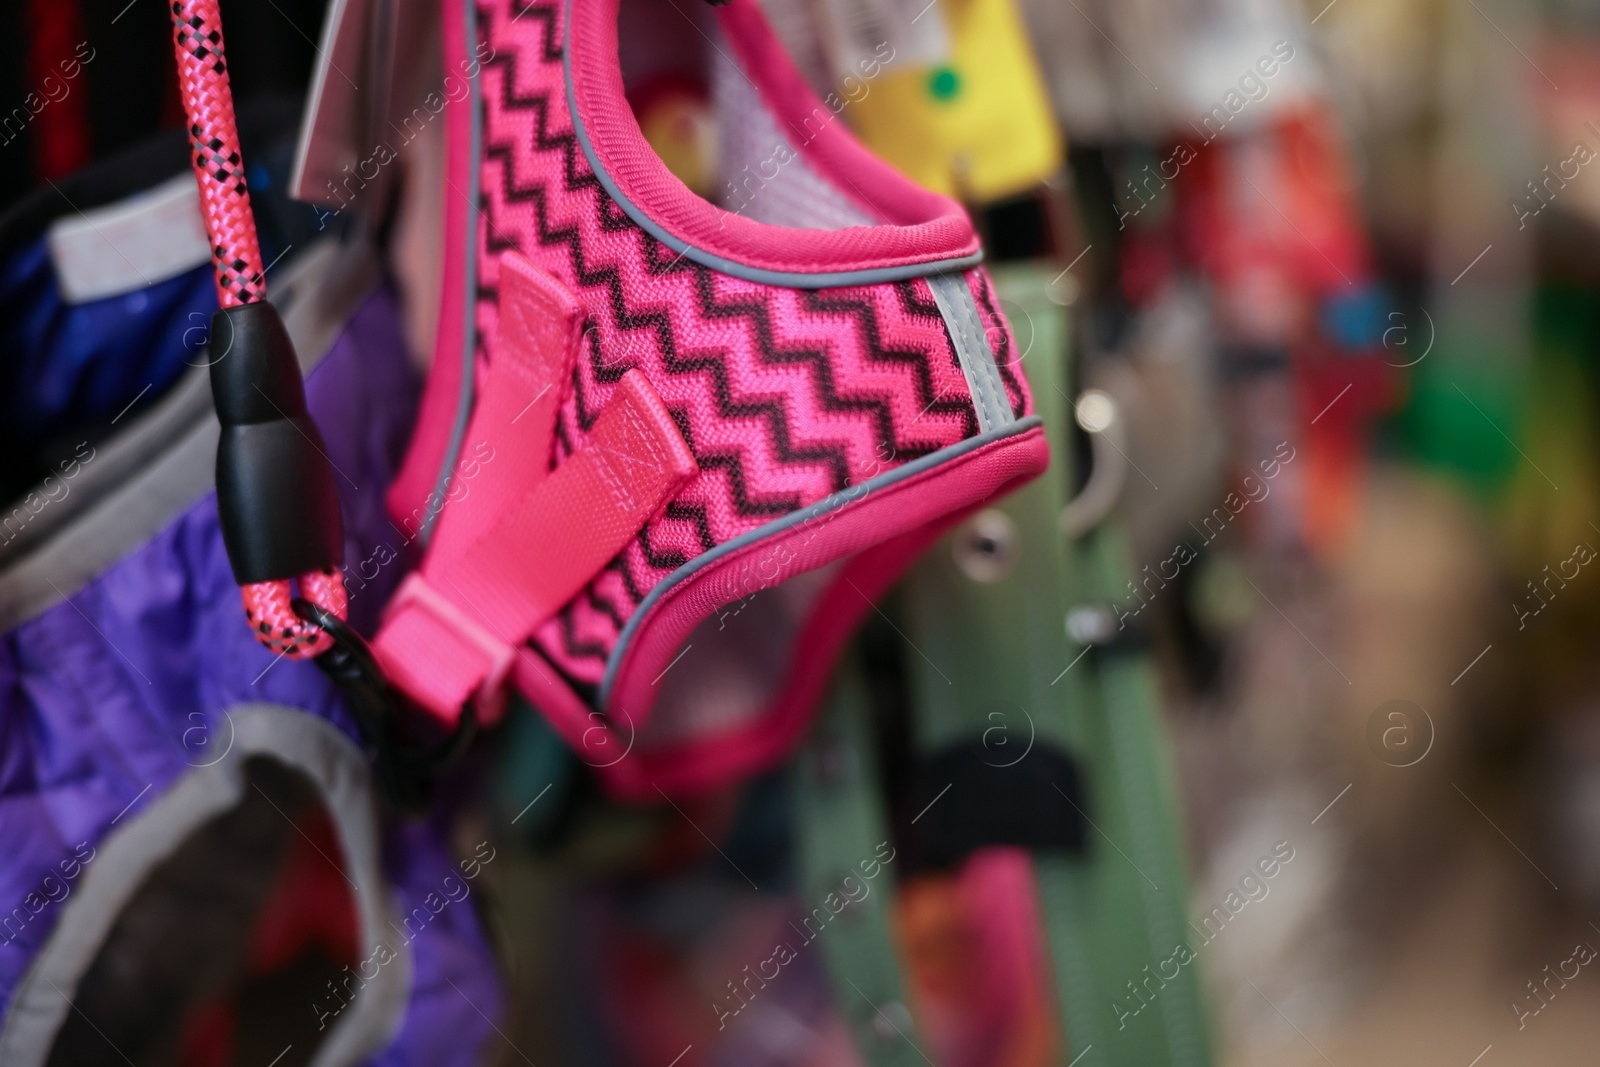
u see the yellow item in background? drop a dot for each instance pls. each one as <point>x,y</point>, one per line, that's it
<point>979,126</point>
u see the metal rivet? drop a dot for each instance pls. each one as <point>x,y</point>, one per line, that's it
<point>1065,289</point>
<point>1091,624</point>
<point>891,1014</point>
<point>1096,410</point>
<point>985,546</point>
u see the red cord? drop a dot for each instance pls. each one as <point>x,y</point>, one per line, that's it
<point>236,255</point>
<point>61,130</point>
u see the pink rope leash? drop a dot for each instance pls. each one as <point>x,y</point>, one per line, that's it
<point>236,257</point>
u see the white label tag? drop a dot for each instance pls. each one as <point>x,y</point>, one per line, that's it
<point>861,32</point>
<point>143,239</point>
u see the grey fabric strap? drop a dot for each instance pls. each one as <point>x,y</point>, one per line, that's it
<point>135,848</point>
<point>960,311</point>
<point>165,460</point>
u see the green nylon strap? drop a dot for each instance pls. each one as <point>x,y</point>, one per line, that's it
<point>990,657</point>
<point>1116,916</point>
<point>843,829</point>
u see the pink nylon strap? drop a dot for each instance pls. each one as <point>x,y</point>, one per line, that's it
<point>537,337</point>
<point>521,542</point>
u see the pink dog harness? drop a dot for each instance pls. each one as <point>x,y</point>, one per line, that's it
<point>669,454</point>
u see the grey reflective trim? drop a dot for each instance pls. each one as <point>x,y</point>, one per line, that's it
<point>835,502</point>
<point>111,464</point>
<point>954,297</point>
<point>165,460</point>
<point>791,279</point>
<point>469,297</point>
<point>117,523</point>
<point>135,848</point>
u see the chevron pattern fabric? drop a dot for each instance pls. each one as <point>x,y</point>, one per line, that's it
<point>784,395</point>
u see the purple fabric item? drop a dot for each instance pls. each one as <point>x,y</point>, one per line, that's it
<point>110,697</point>
<point>443,1025</point>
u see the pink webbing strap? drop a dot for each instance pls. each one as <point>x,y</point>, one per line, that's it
<point>236,260</point>
<point>537,336</point>
<point>521,542</point>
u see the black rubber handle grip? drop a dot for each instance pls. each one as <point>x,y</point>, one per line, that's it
<point>276,495</point>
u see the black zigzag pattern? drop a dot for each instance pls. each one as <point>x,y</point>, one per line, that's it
<point>578,647</point>
<point>656,320</point>
<point>913,359</point>
<point>684,511</point>
<point>577,178</point>
<point>543,13</point>
<point>729,463</point>
<point>912,301</point>
<point>604,607</point>
<point>759,315</point>
<point>628,583</point>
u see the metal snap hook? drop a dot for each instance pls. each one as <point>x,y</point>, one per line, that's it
<point>1098,414</point>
